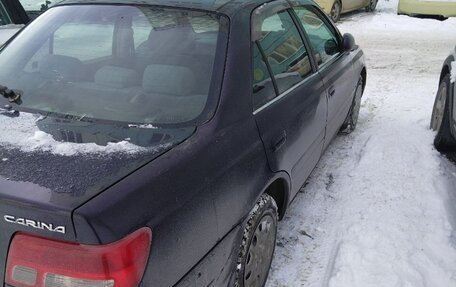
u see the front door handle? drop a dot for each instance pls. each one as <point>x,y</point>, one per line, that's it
<point>279,141</point>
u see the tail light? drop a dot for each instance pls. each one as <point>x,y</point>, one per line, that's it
<point>39,262</point>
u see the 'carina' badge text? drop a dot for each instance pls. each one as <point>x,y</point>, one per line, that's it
<point>34,224</point>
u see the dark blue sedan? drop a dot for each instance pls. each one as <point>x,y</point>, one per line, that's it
<point>157,143</point>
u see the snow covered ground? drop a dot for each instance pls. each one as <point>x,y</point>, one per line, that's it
<point>380,207</point>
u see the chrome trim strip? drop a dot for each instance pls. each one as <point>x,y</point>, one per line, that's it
<point>282,95</point>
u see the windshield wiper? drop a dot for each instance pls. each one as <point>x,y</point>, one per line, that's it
<point>13,96</point>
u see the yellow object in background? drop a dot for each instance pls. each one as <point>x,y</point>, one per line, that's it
<point>444,8</point>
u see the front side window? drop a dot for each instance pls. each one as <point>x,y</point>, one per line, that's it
<point>139,64</point>
<point>322,37</point>
<point>280,51</point>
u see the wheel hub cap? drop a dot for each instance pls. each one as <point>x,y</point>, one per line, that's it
<point>260,253</point>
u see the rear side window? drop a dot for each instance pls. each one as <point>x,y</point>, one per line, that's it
<point>4,19</point>
<point>323,39</point>
<point>280,51</point>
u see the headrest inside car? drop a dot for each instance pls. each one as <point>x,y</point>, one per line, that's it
<point>168,80</point>
<point>117,77</point>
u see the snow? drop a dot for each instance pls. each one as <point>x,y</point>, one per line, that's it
<point>22,133</point>
<point>380,207</point>
<point>142,126</point>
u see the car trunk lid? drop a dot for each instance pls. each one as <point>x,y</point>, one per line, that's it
<point>50,166</point>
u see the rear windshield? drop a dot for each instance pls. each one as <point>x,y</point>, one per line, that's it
<point>138,64</point>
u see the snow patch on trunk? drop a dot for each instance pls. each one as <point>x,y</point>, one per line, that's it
<point>21,132</point>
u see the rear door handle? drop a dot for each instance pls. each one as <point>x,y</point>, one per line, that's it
<point>279,141</point>
<point>332,91</point>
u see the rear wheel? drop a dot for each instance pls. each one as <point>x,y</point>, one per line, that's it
<point>258,244</point>
<point>335,11</point>
<point>441,118</point>
<point>371,6</point>
<point>352,118</point>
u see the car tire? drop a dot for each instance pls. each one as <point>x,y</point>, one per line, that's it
<point>335,11</point>
<point>441,120</point>
<point>352,118</point>
<point>258,244</point>
<point>371,6</point>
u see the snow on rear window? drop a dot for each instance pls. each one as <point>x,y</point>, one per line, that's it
<point>22,133</point>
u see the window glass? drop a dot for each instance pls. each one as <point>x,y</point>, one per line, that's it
<point>71,40</point>
<point>263,87</point>
<point>280,43</point>
<point>34,8</point>
<point>36,5</point>
<point>4,19</point>
<point>118,63</point>
<point>323,39</point>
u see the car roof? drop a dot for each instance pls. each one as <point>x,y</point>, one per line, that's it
<point>223,6</point>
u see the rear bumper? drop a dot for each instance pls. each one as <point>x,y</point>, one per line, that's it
<point>429,7</point>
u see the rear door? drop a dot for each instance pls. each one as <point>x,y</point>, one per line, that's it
<point>289,97</point>
<point>334,65</point>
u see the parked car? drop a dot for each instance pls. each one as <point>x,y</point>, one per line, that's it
<point>334,8</point>
<point>443,119</point>
<point>12,18</point>
<point>158,143</point>
<point>437,8</point>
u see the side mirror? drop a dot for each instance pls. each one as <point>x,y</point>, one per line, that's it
<point>348,42</point>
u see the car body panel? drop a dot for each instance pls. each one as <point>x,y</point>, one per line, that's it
<point>196,194</point>
<point>306,104</point>
<point>339,79</point>
<point>347,5</point>
<point>427,7</point>
<point>350,5</point>
<point>293,140</point>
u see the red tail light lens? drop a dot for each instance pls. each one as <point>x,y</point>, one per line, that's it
<point>39,262</point>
